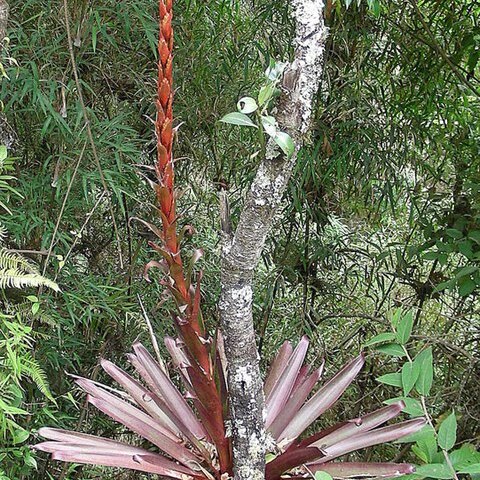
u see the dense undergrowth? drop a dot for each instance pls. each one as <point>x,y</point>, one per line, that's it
<point>382,213</point>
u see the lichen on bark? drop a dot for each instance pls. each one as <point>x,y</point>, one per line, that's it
<point>242,249</point>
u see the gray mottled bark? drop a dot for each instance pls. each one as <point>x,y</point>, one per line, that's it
<point>242,250</point>
<point>3,19</point>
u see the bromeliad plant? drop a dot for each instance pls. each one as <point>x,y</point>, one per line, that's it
<point>187,428</point>
<point>185,441</point>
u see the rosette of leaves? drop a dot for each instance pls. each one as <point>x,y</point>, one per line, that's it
<point>176,422</point>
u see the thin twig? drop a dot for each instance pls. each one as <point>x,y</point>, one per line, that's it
<point>441,51</point>
<point>89,129</point>
<point>79,234</point>
<point>62,209</point>
<point>28,252</point>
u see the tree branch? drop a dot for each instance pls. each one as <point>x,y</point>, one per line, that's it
<point>241,252</point>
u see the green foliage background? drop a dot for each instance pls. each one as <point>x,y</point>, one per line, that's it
<point>383,210</point>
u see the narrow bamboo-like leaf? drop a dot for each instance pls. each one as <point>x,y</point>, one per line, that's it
<point>237,118</point>
<point>322,400</point>
<point>447,433</point>
<point>373,437</point>
<point>277,367</point>
<point>3,153</point>
<point>362,469</point>
<point>283,388</point>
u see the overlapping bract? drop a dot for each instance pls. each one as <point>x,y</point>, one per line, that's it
<point>187,441</point>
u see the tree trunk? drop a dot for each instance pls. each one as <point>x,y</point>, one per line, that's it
<point>242,249</point>
<point>3,19</point>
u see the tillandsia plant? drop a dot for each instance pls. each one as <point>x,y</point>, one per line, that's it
<point>156,410</point>
<point>187,428</point>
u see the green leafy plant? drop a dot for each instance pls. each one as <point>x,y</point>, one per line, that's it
<point>264,121</point>
<point>17,365</point>
<point>434,445</point>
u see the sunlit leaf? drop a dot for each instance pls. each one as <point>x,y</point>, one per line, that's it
<point>247,105</point>
<point>237,118</point>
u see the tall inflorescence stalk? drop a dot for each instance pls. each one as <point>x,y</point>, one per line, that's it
<point>205,375</point>
<point>163,125</point>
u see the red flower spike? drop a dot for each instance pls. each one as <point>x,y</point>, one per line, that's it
<point>164,50</point>
<point>166,26</point>
<point>166,135</point>
<point>164,93</point>
<point>163,9</point>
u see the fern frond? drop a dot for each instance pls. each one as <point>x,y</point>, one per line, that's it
<point>13,260</point>
<point>32,369</point>
<point>15,278</point>
<point>3,233</point>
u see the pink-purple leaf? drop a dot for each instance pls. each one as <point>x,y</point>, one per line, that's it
<point>169,393</point>
<point>144,398</point>
<point>278,366</point>
<point>136,420</point>
<point>322,400</point>
<point>372,437</point>
<point>362,424</point>
<point>179,358</point>
<point>362,469</point>
<point>124,461</point>
<point>283,387</point>
<point>68,436</point>
<point>294,403</point>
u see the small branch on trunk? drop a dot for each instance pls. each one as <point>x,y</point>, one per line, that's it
<point>241,252</point>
